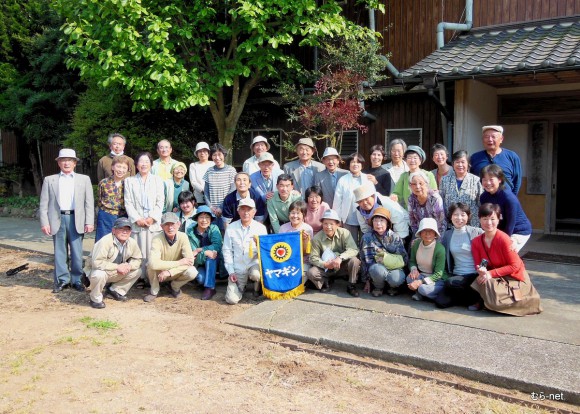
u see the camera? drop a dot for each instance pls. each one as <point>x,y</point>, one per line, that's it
<point>483,263</point>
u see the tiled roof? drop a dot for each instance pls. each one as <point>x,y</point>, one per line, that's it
<point>504,51</point>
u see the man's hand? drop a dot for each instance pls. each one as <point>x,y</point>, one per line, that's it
<point>141,222</point>
<point>123,269</point>
<point>233,278</point>
<point>211,254</point>
<point>45,230</point>
<point>149,221</point>
<point>269,195</point>
<point>217,211</point>
<point>333,264</point>
<point>186,261</point>
<point>163,275</point>
<point>89,228</point>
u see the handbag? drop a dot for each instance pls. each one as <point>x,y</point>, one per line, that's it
<point>393,261</point>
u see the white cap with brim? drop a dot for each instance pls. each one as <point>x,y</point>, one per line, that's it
<point>260,138</point>
<point>248,202</point>
<point>428,223</point>
<point>497,128</point>
<point>67,153</point>
<point>169,217</point>
<point>201,145</point>
<point>364,191</point>
<point>331,215</point>
<point>329,151</point>
<point>266,156</point>
<point>306,141</point>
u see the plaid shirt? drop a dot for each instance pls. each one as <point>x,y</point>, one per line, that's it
<point>371,244</point>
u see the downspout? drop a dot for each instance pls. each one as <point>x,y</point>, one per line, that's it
<point>365,113</point>
<point>446,126</point>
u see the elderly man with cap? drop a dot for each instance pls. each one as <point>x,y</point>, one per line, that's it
<point>206,242</point>
<point>377,249</point>
<point>264,180</point>
<point>260,145</point>
<point>115,264</point>
<point>162,166</point>
<point>241,253</point>
<point>243,190</point>
<point>171,259</point>
<point>414,157</point>
<point>117,144</point>
<point>327,178</point>
<point>493,153</point>
<point>368,200</point>
<point>333,253</point>
<point>304,168</point>
<point>67,212</point>
<point>197,171</point>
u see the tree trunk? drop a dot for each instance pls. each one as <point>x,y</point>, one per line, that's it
<point>35,172</point>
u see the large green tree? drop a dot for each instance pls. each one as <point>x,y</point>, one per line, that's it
<point>197,53</point>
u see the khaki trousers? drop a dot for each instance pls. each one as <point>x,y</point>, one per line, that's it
<point>349,267</point>
<point>177,280</point>
<point>235,291</point>
<point>120,284</point>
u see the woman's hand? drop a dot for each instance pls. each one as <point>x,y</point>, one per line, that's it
<point>414,285</point>
<point>414,274</point>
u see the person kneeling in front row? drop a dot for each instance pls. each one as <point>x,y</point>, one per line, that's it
<point>171,259</point>
<point>241,253</point>
<point>116,261</point>
<point>333,254</point>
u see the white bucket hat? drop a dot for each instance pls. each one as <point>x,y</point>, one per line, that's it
<point>201,145</point>
<point>67,153</point>
<point>329,151</point>
<point>259,138</point>
<point>428,223</point>
<point>364,191</point>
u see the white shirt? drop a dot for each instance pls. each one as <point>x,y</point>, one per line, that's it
<point>66,191</point>
<point>238,241</point>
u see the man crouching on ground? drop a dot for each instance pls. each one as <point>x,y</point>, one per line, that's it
<point>115,263</point>
<point>171,259</point>
<point>240,252</point>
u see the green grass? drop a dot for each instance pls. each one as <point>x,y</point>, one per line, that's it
<point>100,324</point>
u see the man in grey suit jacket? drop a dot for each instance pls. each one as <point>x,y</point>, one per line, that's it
<point>67,212</point>
<point>304,168</point>
<point>328,178</point>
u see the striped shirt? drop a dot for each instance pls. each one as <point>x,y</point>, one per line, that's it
<point>219,182</point>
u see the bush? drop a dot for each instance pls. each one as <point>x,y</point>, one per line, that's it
<point>27,203</point>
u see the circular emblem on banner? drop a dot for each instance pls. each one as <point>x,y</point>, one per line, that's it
<point>280,252</point>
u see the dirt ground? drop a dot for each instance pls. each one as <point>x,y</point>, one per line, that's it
<point>179,356</point>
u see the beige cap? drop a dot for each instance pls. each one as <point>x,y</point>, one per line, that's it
<point>364,191</point>
<point>259,138</point>
<point>306,141</point>
<point>248,202</point>
<point>169,217</point>
<point>266,156</point>
<point>329,151</point>
<point>497,128</point>
<point>330,214</point>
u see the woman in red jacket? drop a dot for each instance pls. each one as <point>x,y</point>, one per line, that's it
<point>502,281</point>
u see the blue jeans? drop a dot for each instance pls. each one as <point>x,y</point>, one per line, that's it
<point>67,236</point>
<point>431,290</point>
<point>380,274</point>
<point>206,274</point>
<point>105,223</point>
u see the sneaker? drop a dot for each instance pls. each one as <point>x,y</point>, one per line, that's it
<point>150,298</point>
<point>377,293</point>
<point>393,291</point>
<point>97,305</point>
<point>475,307</point>
<point>352,290</point>
<point>174,293</point>
<point>417,296</point>
<point>208,294</point>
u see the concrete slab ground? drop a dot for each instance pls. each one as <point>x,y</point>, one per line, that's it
<point>539,353</point>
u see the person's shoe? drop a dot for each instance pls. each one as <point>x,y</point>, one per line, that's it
<point>352,290</point>
<point>377,293</point>
<point>417,296</point>
<point>149,298</point>
<point>60,287</point>
<point>85,280</point>
<point>475,307</point>
<point>392,291</point>
<point>208,294</point>
<point>257,289</point>
<point>78,286</point>
<point>174,293</point>
<point>116,295</point>
<point>325,287</point>
<point>97,305</point>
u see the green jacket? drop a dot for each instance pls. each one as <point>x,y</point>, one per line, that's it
<point>438,260</point>
<point>215,237</point>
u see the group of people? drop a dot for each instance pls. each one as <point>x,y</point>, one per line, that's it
<point>450,235</point>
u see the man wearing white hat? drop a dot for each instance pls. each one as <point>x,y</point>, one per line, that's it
<point>67,212</point>
<point>327,178</point>
<point>259,146</point>
<point>334,253</point>
<point>241,253</point>
<point>493,153</point>
<point>304,168</point>
<point>198,169</point>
